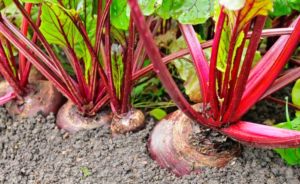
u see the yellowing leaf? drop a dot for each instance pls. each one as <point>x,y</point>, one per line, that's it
<point>296,96</point>
<point>251,9</point>
<point>187,70</point>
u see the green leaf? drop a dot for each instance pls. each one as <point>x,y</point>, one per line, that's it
<point>296,96</point>
<point>118,14</point>
<point>284,7</point>
<point>138,89</point>
<point>158,113</point>
<point>186,11</point>
<point>33,1</point>
<point>57,27</point>
<point>5,3</point>
<point>117,69</point>
<point>292,155</point>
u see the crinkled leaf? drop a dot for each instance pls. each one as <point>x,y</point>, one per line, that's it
<point>187,70</point>
<point>117,69</point>
<point>296,96</point>
<point>57,27</point>
<point>158,113</point>
<point>186,11</point>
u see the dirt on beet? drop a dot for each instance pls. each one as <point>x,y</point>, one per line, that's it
<point>34,150</point>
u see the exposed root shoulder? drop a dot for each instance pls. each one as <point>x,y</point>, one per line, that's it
<point>132,121</point>
<point>182,146</point>
<point>70,120</point>
<point>42,96</point>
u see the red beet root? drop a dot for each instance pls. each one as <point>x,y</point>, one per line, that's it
<point>130,122</point>
<point>69,118</point>
<point>4,87</point>
<point>42,96</point>
<point>181,146</point>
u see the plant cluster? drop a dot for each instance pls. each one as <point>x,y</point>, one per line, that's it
<point>95,54</point>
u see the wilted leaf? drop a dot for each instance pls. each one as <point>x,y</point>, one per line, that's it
<point>251,9</point>
<point>187,70</point>
<point>158,113</point>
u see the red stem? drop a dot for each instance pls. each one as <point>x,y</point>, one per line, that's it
<point>100,25</point>
<point>213,63</point>
<point>145,54</point>
<point>262,136</point>
<point>262,86</point>
<point>199,59</point>
<point>7,98</point>
<point>7,73</point>
<point>26,73</point>
<point>225,84</point>
<point>283,103</point>
<point>282,81</point>
<point>128,69</point>
<point>139,48</point>
<point>24,30</point>
<point>111,86</point>
<point>12,59</point>
<point>263,66</point>
<point>245,71</point>
<point>43,69</point>
<point>161,69</point>
<point>65,77</point>
<point>236,64</point>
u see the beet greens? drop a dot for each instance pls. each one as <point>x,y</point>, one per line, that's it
<point>227,108</point>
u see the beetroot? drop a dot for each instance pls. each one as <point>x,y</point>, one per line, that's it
<point>183,146</point>
<point>129,122</point>
<point>42,96</point>
<point>69,119</point>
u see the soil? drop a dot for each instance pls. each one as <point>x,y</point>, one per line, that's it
<point>34,150</point>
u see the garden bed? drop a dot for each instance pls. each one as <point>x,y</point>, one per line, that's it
<point>35,151</point>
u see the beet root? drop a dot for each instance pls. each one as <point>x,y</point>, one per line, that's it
<point>42,96</point>
<point>129,122</point>
<point>35,75</point>
<point>69,119</point>
<point>182,146</point>
<point>4,87</point>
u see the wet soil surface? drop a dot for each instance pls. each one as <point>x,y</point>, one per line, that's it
<point>36,151</point>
